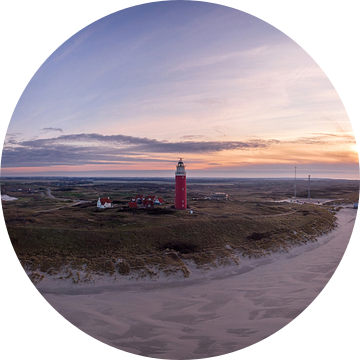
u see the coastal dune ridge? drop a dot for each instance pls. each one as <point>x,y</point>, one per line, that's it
<point>71,239</point>
<point>177,265</point>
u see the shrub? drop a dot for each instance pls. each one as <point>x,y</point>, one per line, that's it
<point>181,247</point>
<point>256,236</point>
<point>123,268</point>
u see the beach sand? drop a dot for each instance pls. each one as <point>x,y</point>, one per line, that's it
<point>223,310</point>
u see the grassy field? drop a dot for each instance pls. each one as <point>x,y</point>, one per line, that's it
<point>50,236</point>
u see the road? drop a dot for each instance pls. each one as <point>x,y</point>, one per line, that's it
<point>48,193</point>
<point>74,202</point>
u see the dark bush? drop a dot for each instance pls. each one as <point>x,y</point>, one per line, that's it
<point>183,248</point>
<point>256,236</point>
<point>63,189</point>
<point>159,211</point>
<point>123,268</point>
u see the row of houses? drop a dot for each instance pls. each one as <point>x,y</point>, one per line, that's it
<point>139,201</point>
<point>147,202</point>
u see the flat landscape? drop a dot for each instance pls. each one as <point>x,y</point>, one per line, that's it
<point>58,231</point>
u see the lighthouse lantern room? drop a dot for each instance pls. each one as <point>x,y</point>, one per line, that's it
<point>180,186</point>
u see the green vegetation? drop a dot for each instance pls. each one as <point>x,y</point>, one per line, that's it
<point>52,236</point>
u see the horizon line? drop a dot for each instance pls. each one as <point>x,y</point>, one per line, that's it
<point>167,177</point>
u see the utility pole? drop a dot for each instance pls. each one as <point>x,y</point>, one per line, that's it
<point>295,185</point>
<point>309,188</point>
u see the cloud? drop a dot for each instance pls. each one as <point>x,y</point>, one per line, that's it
<point>50,129</point>
<point>70,45</point>
<point>10,138</point>
<point>143,145</point>
<point>67,155</point>
<point>97,148</point>
<point>94,148</point>
<point>191,137</point>
<point>343,136</point>
<point>323,139</point>
<point>208,60</point>
<point>209,101</point>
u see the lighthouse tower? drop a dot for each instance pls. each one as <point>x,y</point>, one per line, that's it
<point>180,186</point>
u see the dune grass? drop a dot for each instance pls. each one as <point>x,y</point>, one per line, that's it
<point>78,242</point>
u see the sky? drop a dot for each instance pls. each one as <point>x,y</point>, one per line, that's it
<point>133,92</point>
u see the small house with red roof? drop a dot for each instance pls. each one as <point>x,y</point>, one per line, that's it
<point>148,204</point>
<point>149,198</point>
<point>104,203</point>
<point>139,199</point>
<point>159,201</point>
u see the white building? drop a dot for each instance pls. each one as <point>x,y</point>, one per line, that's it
<point>104,203</point>
<point>219,196</point>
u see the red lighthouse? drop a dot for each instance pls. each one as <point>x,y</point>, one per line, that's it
<point>180,186</point>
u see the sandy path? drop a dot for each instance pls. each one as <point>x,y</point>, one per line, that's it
<point>208,314</point>
<point>74,202</point>
<point>48,193</point>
